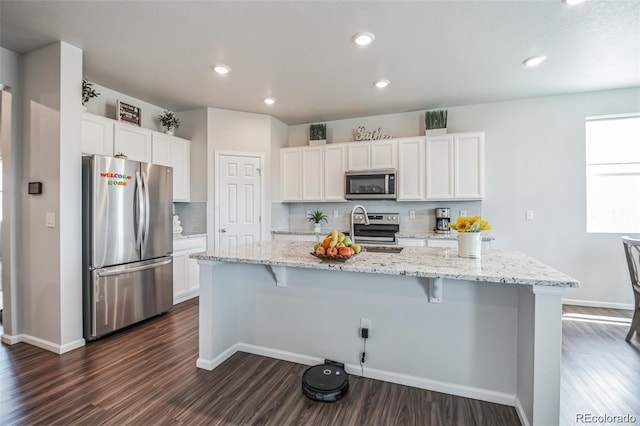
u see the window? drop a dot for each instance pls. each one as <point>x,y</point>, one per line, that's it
<point>613,173</point>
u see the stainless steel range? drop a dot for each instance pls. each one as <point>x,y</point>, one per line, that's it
<point>381,229</point>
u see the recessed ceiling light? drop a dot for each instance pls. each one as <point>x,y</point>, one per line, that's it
<point>221,69</point>
<point>362,38</point>
<point>381,84</point>
<point>572,2</point>
<point>534,61</point>
<point>269,100</point>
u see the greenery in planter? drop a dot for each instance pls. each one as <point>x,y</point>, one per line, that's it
<point>168,120</point>
<point>317,216</point>
<point>318,132</point>
<point>435,119</point>
<point>88,92</point>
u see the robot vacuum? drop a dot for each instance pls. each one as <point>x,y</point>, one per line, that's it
<point>326,382</point>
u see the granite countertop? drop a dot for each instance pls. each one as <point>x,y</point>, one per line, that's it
<point>181,236</point>
<point>302,231</point>
<point>499,266</point>
<point>430,235</point>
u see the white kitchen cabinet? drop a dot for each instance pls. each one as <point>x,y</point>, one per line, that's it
<point>312,174</point>
<point>411,242</point>
<point>174,152</point>
<point>455,167</point>
<point>372,155</point>
<point>291,174</point>
<point>335,165</point>
<point>300,237</point>
<point>97,135</point>
<point>186,273</point>
<point>410,179</point>
<point>436,242</point>
<point>132,141</point>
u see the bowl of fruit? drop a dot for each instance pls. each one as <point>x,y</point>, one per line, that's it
<point>336,247</point>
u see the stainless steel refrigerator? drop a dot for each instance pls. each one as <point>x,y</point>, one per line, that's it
<point>127,242</point>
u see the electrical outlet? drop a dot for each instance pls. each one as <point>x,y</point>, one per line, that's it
<point>50,221</point>
<point>463,213</point>
<point>365,323</point>
<point>308,212</point>
<point>412,214</point>
<point>335,213</point>
<point>529,215</point>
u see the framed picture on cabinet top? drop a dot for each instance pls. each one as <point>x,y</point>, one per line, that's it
<point>129,113</point>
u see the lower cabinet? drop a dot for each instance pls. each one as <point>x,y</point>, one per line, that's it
<point>411,242</point>
<point>186,273</point>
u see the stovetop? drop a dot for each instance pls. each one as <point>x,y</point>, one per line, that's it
<point>378,218</point>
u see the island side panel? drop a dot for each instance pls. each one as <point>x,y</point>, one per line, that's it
<point>218,322</point>
<point>539,354</point>
<point>465,345</point>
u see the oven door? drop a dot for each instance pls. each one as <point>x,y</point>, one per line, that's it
<point>370,185</point>
<point>375,234</point>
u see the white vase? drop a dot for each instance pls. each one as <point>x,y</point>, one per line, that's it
<point>316,228</point>
<point>470,245</point>
<point>169,132</point>
<point>84,108</point>
<point>435,132</point>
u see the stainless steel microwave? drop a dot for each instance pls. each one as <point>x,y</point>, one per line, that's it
<point>370,184</point>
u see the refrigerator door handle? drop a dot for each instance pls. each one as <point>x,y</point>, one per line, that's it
<point>147,212</point>
<point>122,270</point>
<point>139,210</point>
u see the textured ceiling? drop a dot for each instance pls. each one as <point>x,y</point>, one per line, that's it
<point>436,53</point>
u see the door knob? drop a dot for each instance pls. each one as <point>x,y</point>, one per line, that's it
<point>223,230</point>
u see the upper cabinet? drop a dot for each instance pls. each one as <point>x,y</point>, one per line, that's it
<point>291,174</point>
<point>132,141</point>
<point>455,167</point>
<point>411,169</point>
<point>174,152</point>
<point>372,155</point>
<point>335,165</point>
<point>104,136</point>
<point>97,135</point>
<point>312,174</point>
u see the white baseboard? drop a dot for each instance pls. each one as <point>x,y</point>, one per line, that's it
<point>389,376</point>
<point>598,304</point>
<point>210,364</point>
<point>521,414</point>
<point>43,344</point>
<point>186,296</point>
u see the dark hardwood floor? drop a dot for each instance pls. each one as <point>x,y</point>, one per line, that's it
<point>147,375</point>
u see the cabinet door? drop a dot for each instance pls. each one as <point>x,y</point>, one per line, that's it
<point>412,242</point>
<point>383,155</point>
<point>435,242</point>
<point>411,175</point>
<point>97,135</point>
<point>335,165</point>
<point>133,141</point>
<point>359,156</point>
<point>179,274</point>
<point>291,174</point>
<point>312,174</point>
<point>469,166</point>
<point>179,157</point>
<point>193,273</point>
<point>439,168</point>
<point>160,149</point>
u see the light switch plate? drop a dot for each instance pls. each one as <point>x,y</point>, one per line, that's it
<point>50,220</point>
<point>412,214</point>
<point>335,213</point>
<point>529,215</point>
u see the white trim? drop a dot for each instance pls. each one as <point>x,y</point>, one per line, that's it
<point>521,414</point>
<point>210,364</point>
<point>216,190</point>
<point>186,296</point>
<point>389,376</point>
<point>598,304</point>
<point>43,344</point>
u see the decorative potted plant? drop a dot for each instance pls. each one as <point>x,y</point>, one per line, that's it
<point>169,122</point>
<point>88,92</point>
<point>317,134</point>
<point>316,217</point>
<point>435,122</point>
<point>469,237</point>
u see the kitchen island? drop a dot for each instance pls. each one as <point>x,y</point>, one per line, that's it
<point>486,328</point>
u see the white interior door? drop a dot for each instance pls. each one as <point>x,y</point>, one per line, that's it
<point>239,201</point>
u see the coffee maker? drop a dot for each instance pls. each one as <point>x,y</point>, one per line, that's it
<point>443,218</point>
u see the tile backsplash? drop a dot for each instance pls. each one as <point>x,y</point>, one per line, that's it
<point>424,213</point>
<point>193,217</point>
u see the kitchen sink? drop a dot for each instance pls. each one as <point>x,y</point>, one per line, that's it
<point>382,249</point>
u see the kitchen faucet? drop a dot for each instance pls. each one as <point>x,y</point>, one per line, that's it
<point>366,219</point>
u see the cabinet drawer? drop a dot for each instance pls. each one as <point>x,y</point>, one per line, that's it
<point>190,244</point>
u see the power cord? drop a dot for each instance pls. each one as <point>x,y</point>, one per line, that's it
<point>364,332</point>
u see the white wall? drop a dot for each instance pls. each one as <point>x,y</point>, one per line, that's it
<point>193,126</point>
<point>534,160</point>
<point>50,287</point>
<point>11,71</point>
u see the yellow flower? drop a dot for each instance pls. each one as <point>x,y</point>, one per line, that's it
<point>470,224</point>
